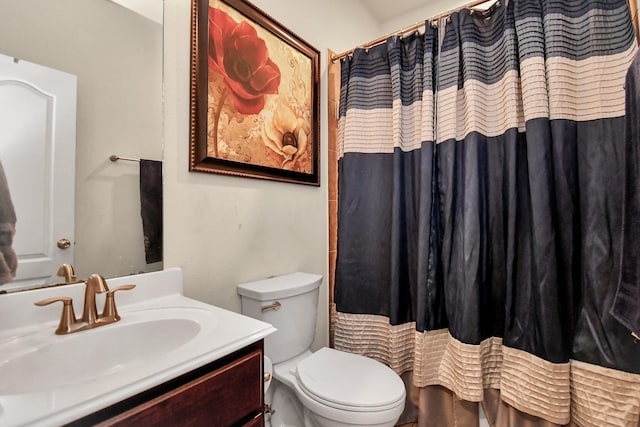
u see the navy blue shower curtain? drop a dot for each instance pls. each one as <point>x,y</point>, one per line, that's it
<point>479,207</point>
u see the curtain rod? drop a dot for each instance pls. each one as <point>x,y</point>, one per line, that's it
<point>632,6</point>
<point>414,27</point>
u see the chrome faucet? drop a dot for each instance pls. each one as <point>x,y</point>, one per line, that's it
<point>95,284</point>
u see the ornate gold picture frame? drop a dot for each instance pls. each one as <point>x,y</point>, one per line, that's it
<point>254,95</point>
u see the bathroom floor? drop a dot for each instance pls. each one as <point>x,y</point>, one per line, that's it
<point>483,422</point>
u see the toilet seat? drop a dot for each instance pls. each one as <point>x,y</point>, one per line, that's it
<point>349,382</point>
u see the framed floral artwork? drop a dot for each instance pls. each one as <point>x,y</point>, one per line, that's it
<point>254,95</point>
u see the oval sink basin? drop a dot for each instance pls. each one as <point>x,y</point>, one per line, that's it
<point>51,361</point>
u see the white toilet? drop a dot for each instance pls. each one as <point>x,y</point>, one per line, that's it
<point>328,388</point>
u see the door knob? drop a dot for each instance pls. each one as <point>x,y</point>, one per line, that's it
<point>64,243</point>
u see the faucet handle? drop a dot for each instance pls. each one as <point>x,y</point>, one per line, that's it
<point>68,317</point>
<point>110,310</point>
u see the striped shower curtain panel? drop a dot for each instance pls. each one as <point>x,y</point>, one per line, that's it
<point>480,195</point>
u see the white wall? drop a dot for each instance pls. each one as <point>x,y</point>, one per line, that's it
<point>226,230</point>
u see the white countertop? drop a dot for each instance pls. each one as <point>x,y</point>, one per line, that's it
<point>158,294</point>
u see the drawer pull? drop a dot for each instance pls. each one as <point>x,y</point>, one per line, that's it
<point>275,306</point>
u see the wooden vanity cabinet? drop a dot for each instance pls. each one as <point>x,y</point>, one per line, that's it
<point>224,393</point>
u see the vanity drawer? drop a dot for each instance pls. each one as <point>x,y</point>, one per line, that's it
<point>230,395</point>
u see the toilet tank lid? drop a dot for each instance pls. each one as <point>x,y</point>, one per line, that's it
<point>280,286</point>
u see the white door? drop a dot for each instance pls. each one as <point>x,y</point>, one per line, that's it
<point>37,151</point>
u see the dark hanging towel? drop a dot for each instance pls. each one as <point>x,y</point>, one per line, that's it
<point>151,208</point>
<point>626,305</point>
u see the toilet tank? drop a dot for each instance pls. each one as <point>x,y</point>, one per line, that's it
<point>290,304</point>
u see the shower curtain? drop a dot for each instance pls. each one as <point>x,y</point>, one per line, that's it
<point>479,212</point>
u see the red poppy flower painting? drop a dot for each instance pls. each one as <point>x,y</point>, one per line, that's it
<point>261,96</point>
<point>238,54</point>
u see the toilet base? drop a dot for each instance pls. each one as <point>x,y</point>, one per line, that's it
<point>315,420</point>
<point>287,409</point>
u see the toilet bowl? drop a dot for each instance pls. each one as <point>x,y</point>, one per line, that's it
<point>343,389</point>
<point>328,388</point>
<point>331,388</point>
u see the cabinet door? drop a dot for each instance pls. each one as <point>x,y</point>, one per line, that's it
<point>230,395</point>
<point>256,422</point>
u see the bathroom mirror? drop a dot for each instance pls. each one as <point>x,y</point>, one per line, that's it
<point>114,50</point>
